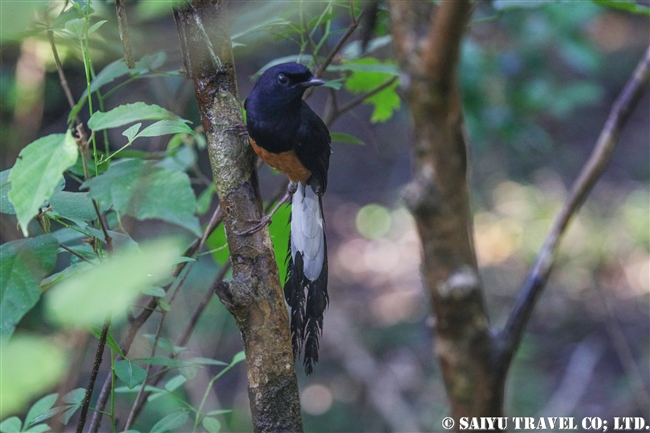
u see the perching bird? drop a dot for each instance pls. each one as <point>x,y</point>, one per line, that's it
<point>291,138</point>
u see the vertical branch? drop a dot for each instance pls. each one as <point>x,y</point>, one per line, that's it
<point>123,28</point>
<point>254,297</point>
<point>439,200</point>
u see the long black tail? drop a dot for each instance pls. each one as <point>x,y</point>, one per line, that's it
<point>307,275</point>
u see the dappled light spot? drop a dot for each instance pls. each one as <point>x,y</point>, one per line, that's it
<point>316,399</point>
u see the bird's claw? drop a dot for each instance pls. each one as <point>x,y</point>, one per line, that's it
<point>259,225</point>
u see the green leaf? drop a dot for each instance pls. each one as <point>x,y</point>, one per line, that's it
<point>341,137</point>
<point>85,299</point>
<point>180,159</point>
<point>624,5</point>
<point>37,172</point>
<point>166,127</point>
<point>368,74</point>
<point>76,396</point>
<point>40,428</point>
<point>156,292</point>
<point>71,270</point>
<point>175,382</point>
<point>239,357</point>
<point>44,416</point>
<point>96,26</point>
<point>5,187</point>
<point>11,425</point>
<point>110,340</point>
<point>69,413</point>
<point>23,264</point>
<point>132,131</point>
<point>31,366</point>
<point>73,205</point>
<point>208,361</point>
<point>211,425</point>
<point>130,373</point>
<point>219,412</point>
<point>77,27</point>
<point>129,113</point>
<point>170,422</point>
<point>204,200</point>
<point>40,407</point>
<point>142,190</point>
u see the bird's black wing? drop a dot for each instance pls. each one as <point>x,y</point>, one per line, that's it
<point>313,149</point>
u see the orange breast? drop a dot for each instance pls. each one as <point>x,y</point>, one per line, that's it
<point>286,162</point>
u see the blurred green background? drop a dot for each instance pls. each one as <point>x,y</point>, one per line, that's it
<point>538,81</point>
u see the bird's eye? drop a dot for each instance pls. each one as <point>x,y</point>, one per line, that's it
<point>282,79</point>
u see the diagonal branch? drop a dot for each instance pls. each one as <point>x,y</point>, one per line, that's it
<point>511,335</point>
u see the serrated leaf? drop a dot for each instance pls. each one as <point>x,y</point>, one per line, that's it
<point>115,283</point>
<point>129,113</point>
<point>5,187</point>
<point>175,382</point>
<point>144,191</point>
<point>23,264</point>
<point>341,137</point>
<point>40,407</point>
<point>211,425</point>
<point>11,425</point>
<point>130,373</point>
<point>37,172</point>
<point>170,422</point>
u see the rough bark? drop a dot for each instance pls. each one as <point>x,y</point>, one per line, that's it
<point>254,295</point>
<point>428,47</point>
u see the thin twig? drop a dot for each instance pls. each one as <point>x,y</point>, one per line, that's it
<point>74,253</point>
<point>511,335</point>
<point>93,375</point>
<point>335,114</point>
<point>139,398</point>
<point>59,68</point>
<point>123,28</point>
<point>353,26</point>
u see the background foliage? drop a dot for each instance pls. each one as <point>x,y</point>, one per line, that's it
<point>538,79</point>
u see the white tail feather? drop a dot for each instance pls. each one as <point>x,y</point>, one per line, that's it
<point>307,234</point>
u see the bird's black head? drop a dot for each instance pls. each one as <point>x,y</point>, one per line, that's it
<point>282,86</point>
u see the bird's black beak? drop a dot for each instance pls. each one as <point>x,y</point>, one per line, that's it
<point>312,82</point>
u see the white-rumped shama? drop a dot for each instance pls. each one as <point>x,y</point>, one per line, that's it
<point>291,138</point>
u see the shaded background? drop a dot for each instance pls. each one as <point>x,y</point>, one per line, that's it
<point>538,83</point>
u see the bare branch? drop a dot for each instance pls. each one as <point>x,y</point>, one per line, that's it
<point>93,375</point>
<point>123,27</point>
<point>512,333</point>
<point>439,200</point>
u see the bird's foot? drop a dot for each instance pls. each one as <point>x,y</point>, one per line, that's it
<point>259,225</point>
